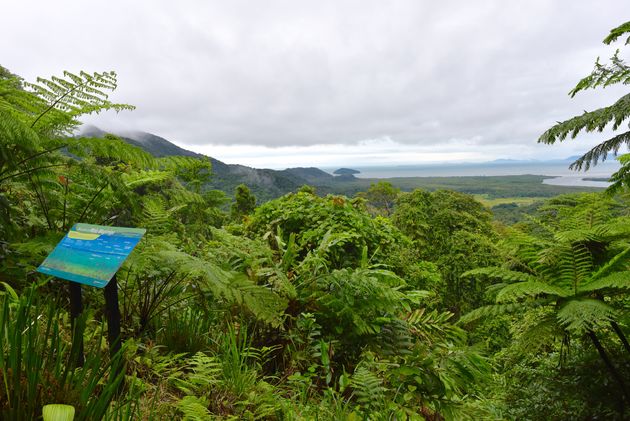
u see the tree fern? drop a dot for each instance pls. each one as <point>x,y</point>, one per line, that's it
<point>577,276</point>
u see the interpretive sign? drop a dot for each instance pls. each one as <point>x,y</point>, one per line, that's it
<point>91,254</point>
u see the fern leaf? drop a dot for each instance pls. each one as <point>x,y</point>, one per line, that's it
<point>582,315</point>
<point>514,292</point>
<point>498,309</point>
<point>619,261</point>
<point>194,409</point>
<point>501,273</point>
<point>367,388</point>
<point>617,280</point>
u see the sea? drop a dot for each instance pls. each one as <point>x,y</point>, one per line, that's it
<point>558,171</point>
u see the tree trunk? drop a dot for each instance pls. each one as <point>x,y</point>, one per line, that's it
<point>621,336</point>
<point>611,368</point>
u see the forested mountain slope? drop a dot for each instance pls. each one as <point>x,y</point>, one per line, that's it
<point>266,184</point>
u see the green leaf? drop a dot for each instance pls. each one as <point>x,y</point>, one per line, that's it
<point>58,412</point>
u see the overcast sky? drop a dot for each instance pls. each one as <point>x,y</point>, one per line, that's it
<point>328,83</point>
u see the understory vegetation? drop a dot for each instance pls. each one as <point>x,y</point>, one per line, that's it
<point>383,306</point>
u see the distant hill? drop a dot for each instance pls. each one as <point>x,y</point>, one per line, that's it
<point>266,184</point>
<point>346,171</point>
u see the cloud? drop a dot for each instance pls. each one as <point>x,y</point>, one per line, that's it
<point>445,77</point>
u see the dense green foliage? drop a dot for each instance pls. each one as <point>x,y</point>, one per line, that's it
<point>386,306</point>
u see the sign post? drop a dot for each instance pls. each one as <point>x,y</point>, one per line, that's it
<point>91,255</point>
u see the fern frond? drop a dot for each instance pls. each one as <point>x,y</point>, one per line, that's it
<point>589,121</point>
<point>194,409</point>
<point>434,327</point>
<point>617,280</point>
<point>615,33</point>
<point>17,143</point>
<point>111,149</point>
<point>621,178</point>
<point>544,331</point>
<point>514,292</point>
<point>584,314</point>
<point>205,372</point>
<point>141,178</point>
<point>601,151</point>
<point>501,273</point>
<point>618,262</point>
<point>368,389</point>
<point>499,309</point>
<point>233,287</point>
<point>71,96</point>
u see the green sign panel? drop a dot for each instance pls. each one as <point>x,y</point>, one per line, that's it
<point>91,254</point>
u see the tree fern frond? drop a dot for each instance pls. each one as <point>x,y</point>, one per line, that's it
<point>621,178</point>
<point>234,288</point>
<point>17,142</point>
<point>71,96</point>
<point>113,149</point>
<point>615,33</point>
<point>539,334</point>
<point>499,309</point>
<point>582,315</point>
<point>591,121</point>
<point>501,273</point>
<point>619,262</point>
<point>155,216</point>
<point>601,151</point>
<point>514,292</point>
<point>141,178</point>
<point>617,280</point>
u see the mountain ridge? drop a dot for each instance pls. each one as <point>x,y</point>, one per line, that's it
<point>265,183</point>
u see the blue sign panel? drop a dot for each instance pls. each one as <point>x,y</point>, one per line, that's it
<point>91,254</point>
